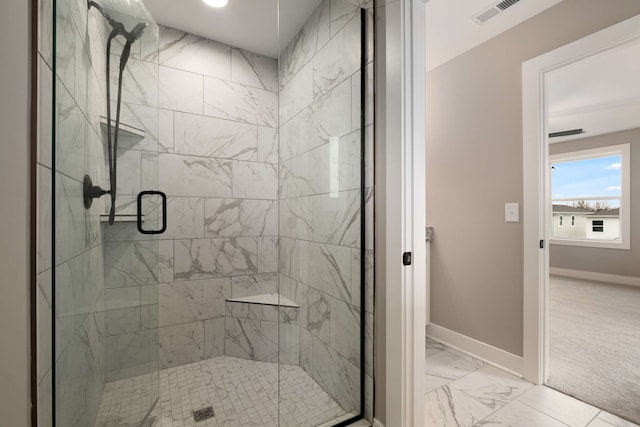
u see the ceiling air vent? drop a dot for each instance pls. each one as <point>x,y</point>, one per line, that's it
<point>495,10</point>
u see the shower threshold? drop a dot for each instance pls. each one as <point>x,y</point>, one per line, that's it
<point>242,393</point>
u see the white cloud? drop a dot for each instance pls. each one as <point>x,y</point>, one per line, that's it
<point>614,166</point>
<point>614,188</point>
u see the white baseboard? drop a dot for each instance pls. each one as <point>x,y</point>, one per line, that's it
<point>487,353</point>
<point>598,277</point>
<point>377,423</point>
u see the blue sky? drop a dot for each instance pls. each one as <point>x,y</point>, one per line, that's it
<point>591,177</point>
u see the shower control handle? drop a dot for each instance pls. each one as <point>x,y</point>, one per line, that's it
<point>164,211</point>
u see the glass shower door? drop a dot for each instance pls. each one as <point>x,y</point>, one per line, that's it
<point>105,305</point>
<point>326,217</point>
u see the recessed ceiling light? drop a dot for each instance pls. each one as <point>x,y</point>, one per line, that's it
<point>216,3</point>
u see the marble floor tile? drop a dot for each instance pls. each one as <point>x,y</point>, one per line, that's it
<point>433,382</point>
<point>447,365</point>
<point>613,420</point>
<point>517,414</point>
<point>560,406</point>
<point>242,393</point>
<point>448,407</point>
<point>491,386</point>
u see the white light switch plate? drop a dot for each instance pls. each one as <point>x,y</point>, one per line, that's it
<point>511,212</point>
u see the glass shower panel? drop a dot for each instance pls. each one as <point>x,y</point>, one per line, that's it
<point>105,304</point>
<point>326,215</point>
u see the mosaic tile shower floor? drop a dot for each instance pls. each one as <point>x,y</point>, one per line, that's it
<point>241,392</point>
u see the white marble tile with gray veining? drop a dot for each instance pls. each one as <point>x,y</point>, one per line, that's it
<point>69,218</point>
<point>268,254</point>
<point>192,53</point>
<point>267,144</point>
<point>180,90</point>
<point>254,70</point>
<point>490,386</point>
<point>356,285</point>
<point>65,48</point>
<point>343,11</point>
<point>71,133</point>
<point>251,339</point>
<point>253,180</point>
<point>166,131</point>
<point>122,320</point>
<point>336,220</point>
<point>181,344</point>
<point>240,217</point>
<point>296,218</point>
<point>129,172</point>
<point>297,94</point>
<point>45,30</point>
<point>139,81</point>
<point>337,60</point>
<point>232,101</point>
<point>519,414</point>
<point>289,257</point>
<point>447,365</point>
<point>209,258</point>
<point>315,312</point>
<point>214,338</point>
<point>314,34</point>
<point>560,406</point>
<point>345,325</point>
<point>288,344</point>
<point>450,407</point>
<point>129,355</point>
<point>43,212</point>
<point>210,137</point>
<point>194,176</point>
<point>183,302</point>
<point>43,319</point>
<point>131,263</point>
<point>141,117</point>
<point>45,116</point>
<point>336,375</point>
<point>326,118</point>
<point>255,284</point>
<point>185,218</point>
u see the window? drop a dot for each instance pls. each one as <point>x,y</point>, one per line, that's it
<point>597,226</point>
<point>592,188</point>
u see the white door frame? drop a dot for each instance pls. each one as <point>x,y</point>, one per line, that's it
<point>401,213</point>
<point>536,206</point>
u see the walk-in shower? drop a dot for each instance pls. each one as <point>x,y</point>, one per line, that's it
<point>243,295</point>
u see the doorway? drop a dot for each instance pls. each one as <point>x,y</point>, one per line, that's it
<point>579,271</point>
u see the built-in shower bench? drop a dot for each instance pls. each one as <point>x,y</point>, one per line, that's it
<point>263,328</point>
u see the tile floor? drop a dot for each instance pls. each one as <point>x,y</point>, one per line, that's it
<point>241,392</point>
<point>465,392</point>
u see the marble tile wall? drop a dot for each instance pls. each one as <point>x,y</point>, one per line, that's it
<point>320,197</point>
<point>209,112</point>
<point>79,271</point>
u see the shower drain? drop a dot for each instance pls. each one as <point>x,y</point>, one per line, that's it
<point>203,414</point>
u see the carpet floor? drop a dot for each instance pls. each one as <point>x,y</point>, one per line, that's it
<point>594,344</point>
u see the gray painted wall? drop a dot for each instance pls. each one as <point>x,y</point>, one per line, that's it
<point>474,166</point>
<point>608,261</point>
<point>14,226</point>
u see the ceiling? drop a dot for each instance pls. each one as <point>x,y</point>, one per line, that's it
<point>248,24</point>
<point>451,30</point>
<point>600,94</point>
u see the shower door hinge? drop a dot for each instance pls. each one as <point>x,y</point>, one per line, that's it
<point>541,244</point>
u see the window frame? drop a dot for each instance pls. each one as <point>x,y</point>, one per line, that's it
<point>622,150</point>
